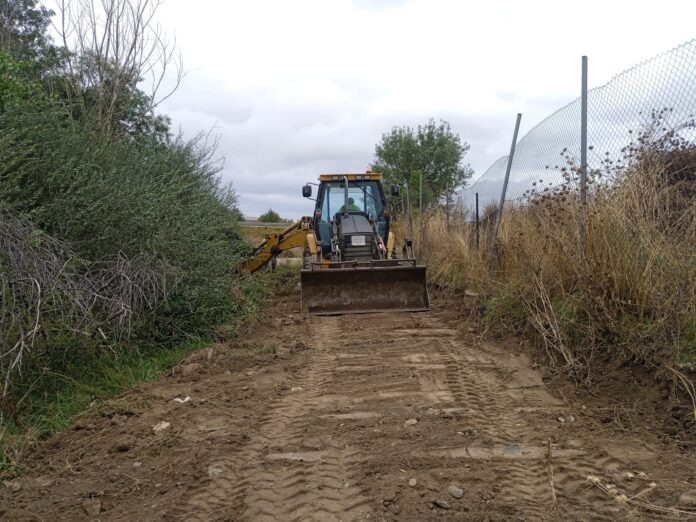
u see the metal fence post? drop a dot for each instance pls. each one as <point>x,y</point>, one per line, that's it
<point>583,161</point>
<point>499,214</point>
<point>478,224</point>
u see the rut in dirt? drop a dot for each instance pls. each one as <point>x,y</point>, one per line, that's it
<point>363,417</point>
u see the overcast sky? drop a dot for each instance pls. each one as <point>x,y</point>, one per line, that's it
<point>302,87</point>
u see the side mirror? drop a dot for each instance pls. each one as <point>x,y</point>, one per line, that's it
<point>395,190</point>
<point>307,191</point>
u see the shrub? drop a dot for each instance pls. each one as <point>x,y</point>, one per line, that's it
<point>126,243</point>
<point>160,202</point>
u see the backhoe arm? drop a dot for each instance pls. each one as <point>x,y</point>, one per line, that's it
<point>274,244</point>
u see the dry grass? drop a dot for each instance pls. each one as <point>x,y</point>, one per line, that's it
<point>633,298</point>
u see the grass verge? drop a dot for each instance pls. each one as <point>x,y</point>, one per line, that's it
<point>53,400</point>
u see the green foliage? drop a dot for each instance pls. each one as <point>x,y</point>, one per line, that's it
<point>270,216</point>
<point>10,86</point>
<point>431,150</point>
<point>23,30</point>
<point>505,309</point>
<point>109,187</point>
<point>142,198</point>
<point>15,83</point>
<point>228,198</point>
<point>58,392</point>
<point>82,81</point>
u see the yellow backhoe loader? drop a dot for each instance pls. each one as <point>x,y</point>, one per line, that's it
<point>350,264</point>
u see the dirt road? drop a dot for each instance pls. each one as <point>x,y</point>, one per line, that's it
<point>374,417</point>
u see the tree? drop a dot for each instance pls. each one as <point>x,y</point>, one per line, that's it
<point>271,216</point>
<point>109,50</point>
<point>112,47</point>
<point>431,150</point>
<point>23,26</point>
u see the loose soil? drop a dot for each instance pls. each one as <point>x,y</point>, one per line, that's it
<point>360,417</point>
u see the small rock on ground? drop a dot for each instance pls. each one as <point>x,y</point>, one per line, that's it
<point>442,504</point>
<point>412,482</point>
<point>124,443</point>
<point>14,485</point>
<point>189,369</point>
<point>92,507</point>
<point>44,481</point>
<point>160,426</point>
<point>214,471</point>
<point>411,422</point>
<point>455,491</point>
<point>82,424</point>
<point>118,420</point>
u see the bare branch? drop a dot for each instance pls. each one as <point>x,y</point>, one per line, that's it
<point>41,290</point>
<point>116,45</point>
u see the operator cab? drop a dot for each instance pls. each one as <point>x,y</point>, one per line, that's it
<point>365,202</point>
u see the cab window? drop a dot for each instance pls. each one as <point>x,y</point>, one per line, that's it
<point>365,196</point>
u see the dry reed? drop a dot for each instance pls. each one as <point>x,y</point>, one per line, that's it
<point>632,298</point>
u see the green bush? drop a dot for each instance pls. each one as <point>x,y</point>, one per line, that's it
<point>117,246</point>
<point>161,202</point>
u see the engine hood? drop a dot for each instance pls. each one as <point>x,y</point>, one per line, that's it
<point>355,224</point>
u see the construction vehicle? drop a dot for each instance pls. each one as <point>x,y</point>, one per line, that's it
<point>350,263</point>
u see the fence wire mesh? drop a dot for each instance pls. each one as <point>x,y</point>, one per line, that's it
<point>661,89</point>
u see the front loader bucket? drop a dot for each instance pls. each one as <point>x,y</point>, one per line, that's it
<point>333,291</point>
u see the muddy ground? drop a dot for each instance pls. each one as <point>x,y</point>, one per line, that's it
<point>363,417</point>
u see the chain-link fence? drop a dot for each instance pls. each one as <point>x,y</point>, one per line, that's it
<point>661,89</point>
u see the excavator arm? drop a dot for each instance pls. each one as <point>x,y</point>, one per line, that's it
<point>295,236</point>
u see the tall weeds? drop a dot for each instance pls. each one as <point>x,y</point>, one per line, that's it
<point>633,297</point>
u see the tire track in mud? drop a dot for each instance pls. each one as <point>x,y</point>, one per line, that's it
<point>315,456</point>
<point>494,397</point>
<point>312,484</point>
<point>275,476</point>
<point>327,433</point>
<point>476,381</point>
<point>513,447</point>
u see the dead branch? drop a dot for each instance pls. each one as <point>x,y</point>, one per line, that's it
<point>44,289</point>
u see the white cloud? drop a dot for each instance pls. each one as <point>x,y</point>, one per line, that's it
<point>303,87</point>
